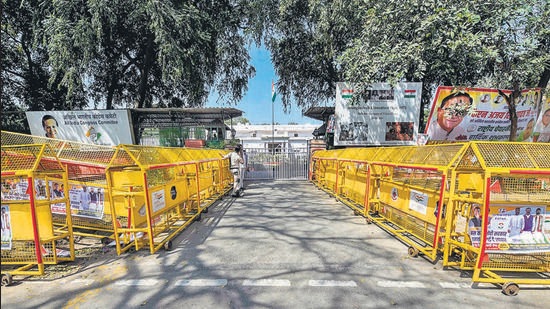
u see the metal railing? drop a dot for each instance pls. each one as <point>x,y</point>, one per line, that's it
<point>264,164</point>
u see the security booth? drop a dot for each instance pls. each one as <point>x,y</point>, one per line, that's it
<point>499,210</point>
<point>161,191</point>
<point>31,180</point>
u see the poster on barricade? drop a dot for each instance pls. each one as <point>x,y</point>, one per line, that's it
<point>480,114</point>
<point>98,127</point>
<point>386,115</point>
<point>514,229</point>
<point>6,228</point>
<point>15,189</point>
<point>85,201</point>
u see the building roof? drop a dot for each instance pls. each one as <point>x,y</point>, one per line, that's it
<point>177,117</point>
<point>320,112</point>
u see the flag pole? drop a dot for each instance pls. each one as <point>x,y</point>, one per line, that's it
<point>272,118</point>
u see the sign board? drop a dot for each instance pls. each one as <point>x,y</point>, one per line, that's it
<point>480,114</point>
<point>99,127</point>
<point>388,116</point>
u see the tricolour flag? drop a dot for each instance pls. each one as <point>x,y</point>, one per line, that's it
<point>347,93</point>
<point>410,93</point>
<point>273,93</point>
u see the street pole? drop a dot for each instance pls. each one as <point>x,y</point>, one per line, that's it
<point>273,138</point>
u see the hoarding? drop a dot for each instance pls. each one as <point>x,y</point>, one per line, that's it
<point>388,116</point>
<point>480,114</point>
<point>99,127</point>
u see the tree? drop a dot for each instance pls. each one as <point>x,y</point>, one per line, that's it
<point>135,54</point>
<point>461,43</point>
<point>305,39</point>
<point>451,42</point>
<point>238,120</point>
<point>26,80</point>
<point>123,53</point>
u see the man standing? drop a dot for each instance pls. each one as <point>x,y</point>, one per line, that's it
<point>235,160</point>
<point>515,225</point>
<point>527,220</point>
<point>84,199</point>
<point>40,189</point>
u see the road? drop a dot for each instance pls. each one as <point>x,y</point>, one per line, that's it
<point>282,245</point>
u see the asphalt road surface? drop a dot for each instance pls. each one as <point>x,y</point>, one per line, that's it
<point>282,245</point>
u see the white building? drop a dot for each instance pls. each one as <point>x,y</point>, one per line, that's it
<point>284,138</point>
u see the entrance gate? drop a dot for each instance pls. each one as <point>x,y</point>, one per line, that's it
<point>264,164</point>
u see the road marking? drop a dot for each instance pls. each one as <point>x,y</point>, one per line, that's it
<point>137,282</point>
<point>454,285</point>
<point>83,281</point>
<point>401,284</point>
<point>332,283</point>
<point>267,282</point>
<point>202,282</point>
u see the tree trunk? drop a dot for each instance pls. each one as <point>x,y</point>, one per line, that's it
<point>543,82</point>
<point>145,72</point>
<point>511,101</point>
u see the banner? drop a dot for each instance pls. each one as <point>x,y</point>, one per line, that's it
<point>480,114</point>
<point>541,131</point>
<point>518,229</point>
<point>389,116</point>
<point>99,127</point>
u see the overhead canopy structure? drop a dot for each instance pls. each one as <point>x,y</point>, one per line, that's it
<point>145,118</point>
<point>320,112</point>
<point>176,117</point>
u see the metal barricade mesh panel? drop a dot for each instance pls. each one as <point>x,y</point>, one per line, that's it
<point>533,262</point>
<point>21,252</point>
<point>427,179</point>
<point>418,228</point>
<point>65,150</point>
<point>515,155</point>
<point>520,188</point>
<point>469,160</point>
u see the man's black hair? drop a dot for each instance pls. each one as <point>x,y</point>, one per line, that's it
<point>237,149</point>
<point>454,95</point>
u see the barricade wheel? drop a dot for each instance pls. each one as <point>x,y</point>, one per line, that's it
<point>205,210</point>
<point>198,218</point>
<point>510,289</point>
<point>7,279</point>
<point>168,245</point>
<point>369,220</point>
<point>413,252</point>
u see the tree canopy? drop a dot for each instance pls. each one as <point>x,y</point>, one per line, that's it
<point>121,53</point>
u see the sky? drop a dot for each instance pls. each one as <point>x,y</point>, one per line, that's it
<point>256,103</point>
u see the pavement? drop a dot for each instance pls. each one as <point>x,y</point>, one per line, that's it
<point>281,245</point>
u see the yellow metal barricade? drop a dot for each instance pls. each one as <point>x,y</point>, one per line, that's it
<point>161,191</point>
<point>500,209</point>
<point>434,198</point>
<point>88,193</point>
<point>31,180</point>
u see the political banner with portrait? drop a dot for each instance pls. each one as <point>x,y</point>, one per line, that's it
<point>385,115</point>
<point>514,229</point>
<point>99,127</point>
<point>541,131</point>
<point>85,201</point>
<point>6,228</point>
<point>480,114</point>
